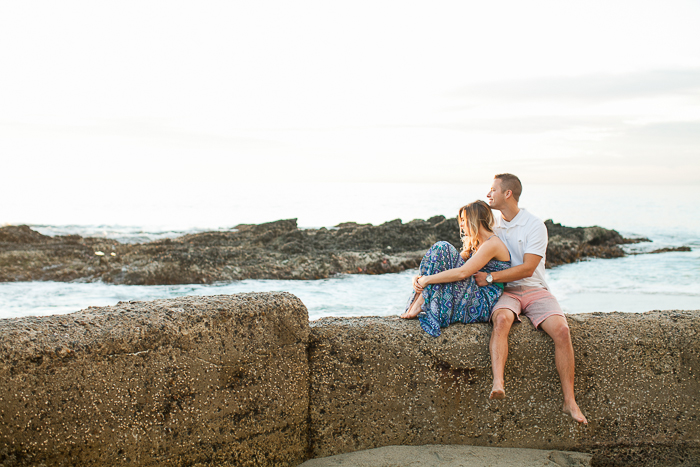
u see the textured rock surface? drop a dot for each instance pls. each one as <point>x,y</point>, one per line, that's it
<point>275,250</point>
<point>246,380</point>
<point>382,381</point>
<point>570,244</point>
<point>217,380</point>
<point>453,456</point>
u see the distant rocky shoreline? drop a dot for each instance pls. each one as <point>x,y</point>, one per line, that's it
<point>274,250</point>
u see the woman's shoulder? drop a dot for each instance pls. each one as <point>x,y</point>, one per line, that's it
<point>497,246</point>
<point>494,242</point>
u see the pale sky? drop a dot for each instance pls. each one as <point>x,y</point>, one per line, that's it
<point>169,92</point>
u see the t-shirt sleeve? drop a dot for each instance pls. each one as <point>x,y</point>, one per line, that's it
<point>536,241</point>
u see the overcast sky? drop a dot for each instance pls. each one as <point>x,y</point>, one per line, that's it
<point>162,92</point>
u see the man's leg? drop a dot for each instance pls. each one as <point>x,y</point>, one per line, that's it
<point>502,320</point>
<point>558,329</point>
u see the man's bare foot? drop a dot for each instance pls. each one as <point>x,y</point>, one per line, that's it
<point>497,393</point>
<point>575,413</point>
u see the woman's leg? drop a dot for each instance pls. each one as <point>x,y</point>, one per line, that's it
<point>415,308</point>
<point>433,262</point>
<point>439,298</point>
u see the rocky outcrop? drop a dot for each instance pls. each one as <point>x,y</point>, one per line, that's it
<point>571,244</point>
<point>276,250</point>
<point>683,249</point>
<point>217,380</point>
<point>383,381</point>
<point>247,380</point>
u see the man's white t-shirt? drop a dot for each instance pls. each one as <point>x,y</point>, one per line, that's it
<point>525,233</point>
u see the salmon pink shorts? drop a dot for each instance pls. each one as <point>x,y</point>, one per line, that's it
<point>536,303</point>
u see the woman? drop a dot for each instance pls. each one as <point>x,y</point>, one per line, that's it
<point>446,290</point>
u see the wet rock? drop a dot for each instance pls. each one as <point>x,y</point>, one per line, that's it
<point>21,234</point>
<point>274,250</point>
<point>571,244</point>
<point>668,250</point>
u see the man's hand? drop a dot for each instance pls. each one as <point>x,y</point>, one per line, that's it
<point>511,274</point>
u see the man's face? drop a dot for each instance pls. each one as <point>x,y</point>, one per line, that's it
<point>496,196</point>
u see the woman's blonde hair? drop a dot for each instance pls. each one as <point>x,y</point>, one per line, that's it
<point>476,214</point>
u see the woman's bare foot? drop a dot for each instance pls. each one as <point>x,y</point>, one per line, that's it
<point>409,314</point>
<point>497,393</point>
<point>575,413</point>
<point>414,310</point>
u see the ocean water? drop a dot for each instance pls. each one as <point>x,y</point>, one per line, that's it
<point>636,283</point>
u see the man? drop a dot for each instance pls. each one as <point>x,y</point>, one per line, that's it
<point>526,291</point>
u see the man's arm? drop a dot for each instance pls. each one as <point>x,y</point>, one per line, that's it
<point>476,262</point>
<point>515,273</point>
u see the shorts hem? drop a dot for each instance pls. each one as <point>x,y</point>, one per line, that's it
<point>517,315</point>
<point>543,318</point>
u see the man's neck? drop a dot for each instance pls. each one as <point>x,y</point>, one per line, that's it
<point>509,212</point>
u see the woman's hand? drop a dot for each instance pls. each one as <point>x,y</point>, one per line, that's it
<point>417,285</point>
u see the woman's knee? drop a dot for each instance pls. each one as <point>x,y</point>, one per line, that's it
<point>443,246</point>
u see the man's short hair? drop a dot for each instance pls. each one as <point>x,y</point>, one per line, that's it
<point>512,183</point>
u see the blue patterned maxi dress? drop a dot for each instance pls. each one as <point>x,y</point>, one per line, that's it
<point>455,302</point>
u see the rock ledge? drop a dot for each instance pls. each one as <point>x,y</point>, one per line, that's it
<point>275,250</point>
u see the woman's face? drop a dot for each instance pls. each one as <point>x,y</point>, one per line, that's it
<point>463,224</point>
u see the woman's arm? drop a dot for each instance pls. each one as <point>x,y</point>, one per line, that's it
<point>513,274</point>
<point>478,260</point>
